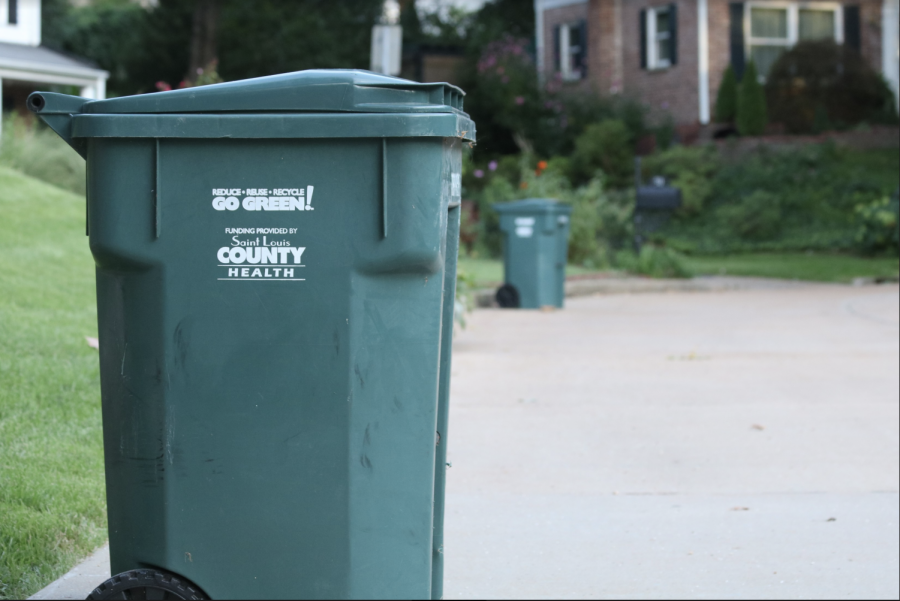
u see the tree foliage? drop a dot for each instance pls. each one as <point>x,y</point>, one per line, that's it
<point>607,146</point>
<point>140,47</point>
<point>726,99</point>
<point>752,115</point>
<point>266,37</point>
<point>821,85</point>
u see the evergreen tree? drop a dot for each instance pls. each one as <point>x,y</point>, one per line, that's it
<point>752,115</point>
<point>727,98</point>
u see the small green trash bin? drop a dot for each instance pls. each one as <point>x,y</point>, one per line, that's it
<point>535,247</point>
<point>276,268</point>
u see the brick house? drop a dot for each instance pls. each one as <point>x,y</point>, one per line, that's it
<point>671,54</point>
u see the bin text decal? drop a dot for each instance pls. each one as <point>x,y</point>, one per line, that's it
<point>263,199</point>
<point>261,253</point>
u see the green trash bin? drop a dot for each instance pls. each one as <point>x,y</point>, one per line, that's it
<point>535,247</point>
<point>276,269</point>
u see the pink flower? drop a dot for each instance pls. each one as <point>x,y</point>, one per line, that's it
<point>479,173</point>
<point>163,86</point>
<point>520,100</point>
<point>492,165</point>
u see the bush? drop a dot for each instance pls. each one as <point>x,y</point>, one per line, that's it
<point>36,150</point>
<point>607,146</point>
<point>752,115</point>
<point>821,85</point>
<point>585,224</point>
<point>785,201</point>
<point>574,110</point>
<point>490,238</point>
<point>727,98</point>
<point>508,91</point>
<point>879,226</point>
<point>756,217</point>
<point>689,168</point>
<point>654,261</point>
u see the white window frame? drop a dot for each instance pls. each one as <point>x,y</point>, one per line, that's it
<point>566,70</point>
<point>793,24</point>
<point>654,38</point>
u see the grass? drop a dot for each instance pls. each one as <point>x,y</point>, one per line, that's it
<point>34,149</point>
<point>799,266</point>
<point>489,272</point>
<point>52,494</point>
<point>818,267</point>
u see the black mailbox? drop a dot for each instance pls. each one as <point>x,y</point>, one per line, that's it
<point>654,205</point>
<point>658,198</point>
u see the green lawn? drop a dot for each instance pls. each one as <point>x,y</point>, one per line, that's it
<point>489,272</point>
<point>790,266</point>
<point>799,266</point>
<point>52,495</point>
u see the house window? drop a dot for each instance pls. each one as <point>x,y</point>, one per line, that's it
<point>571,50</point>
<point>776,27</point>
<point>659,27</point>
<point>12,12</point>
<point>659,37</point>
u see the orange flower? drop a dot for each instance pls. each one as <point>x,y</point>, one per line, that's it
<point>542,165</point>
<point>523,185</point>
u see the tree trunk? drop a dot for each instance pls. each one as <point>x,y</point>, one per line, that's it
<point>203,38</point>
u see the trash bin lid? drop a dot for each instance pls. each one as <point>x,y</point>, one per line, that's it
<point>533,205</point>
<point>316,90</point>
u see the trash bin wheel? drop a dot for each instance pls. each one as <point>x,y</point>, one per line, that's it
<point>146,584</point>
<point>508,297</point>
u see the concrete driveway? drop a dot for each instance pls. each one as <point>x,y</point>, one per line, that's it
<point>706,445</point>
<point>731,444</point>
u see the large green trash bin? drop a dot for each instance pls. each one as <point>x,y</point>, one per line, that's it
<point>535,247</point>
<point>276,268</point>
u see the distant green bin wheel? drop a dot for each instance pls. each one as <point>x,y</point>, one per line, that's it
<point>508,297</point>
<point>146,584</point>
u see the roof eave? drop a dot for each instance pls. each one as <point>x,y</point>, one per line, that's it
<point>51,69</point>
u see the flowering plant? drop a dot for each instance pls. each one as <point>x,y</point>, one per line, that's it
<point>509,89</point>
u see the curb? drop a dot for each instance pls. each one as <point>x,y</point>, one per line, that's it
<point>78,582</point>
<point>587,286</point>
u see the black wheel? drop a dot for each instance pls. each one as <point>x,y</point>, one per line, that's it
<point>146,584</point>
<point>508,297</point>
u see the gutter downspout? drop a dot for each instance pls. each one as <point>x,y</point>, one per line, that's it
<point>539,38</point>
<point>703,59</point>
<point>618,83</point>
<point>890,46</point>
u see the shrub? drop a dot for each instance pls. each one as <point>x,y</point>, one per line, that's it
<point>584,246</point>
<point>752,115</point>
<point>560,165</point>
<point>756,217</point>
<point>879,226</point>
<point>574,110</point>
<point>727,98</point>
<point>37,151</point>
<point>654,261</point>
<point>820,84</point>
<point>689,168</point>
<point>508,95</point>
<point>608,147</point>
<point>490,239</point>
